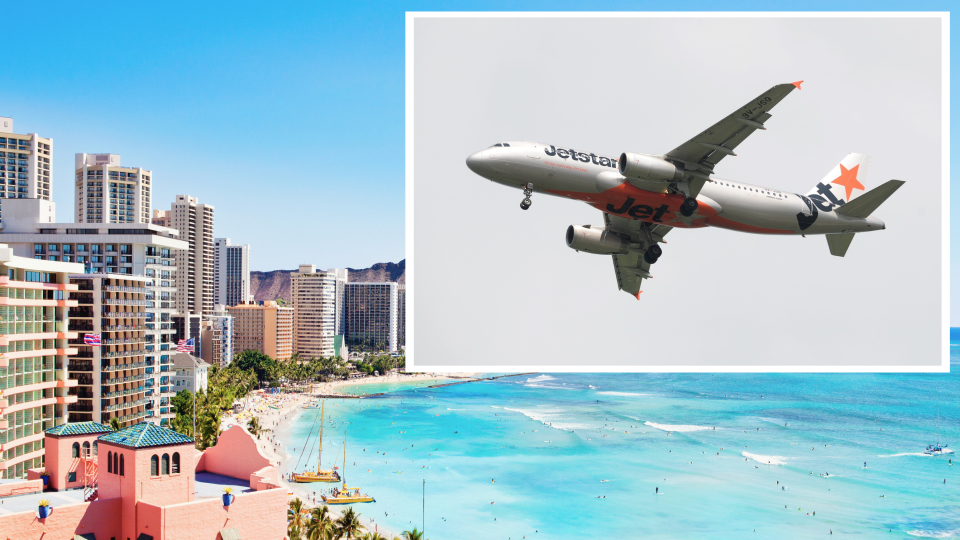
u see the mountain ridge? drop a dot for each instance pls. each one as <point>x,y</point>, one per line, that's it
<point>275,284</point>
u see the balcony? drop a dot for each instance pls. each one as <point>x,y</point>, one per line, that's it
<point>119,354</point>
<point>120,288</point>
<point>122,367</point>
<point>127,405</point>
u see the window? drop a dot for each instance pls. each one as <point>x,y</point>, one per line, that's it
<point>86,449</point>
<point>115,461</point>
<point>72,477</point>
<point>121,464</point>
<point>95,448</point>
<point>109,462</point>
<point>76,450</point>
<point>176,463</point>
<point>165,464</point>
<point>154,465</point>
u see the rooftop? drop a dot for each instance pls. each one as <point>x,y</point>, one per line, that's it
<point>78,428</point>
<point>210,486</point>
<point>145,435</point>
<point>15,504</point>
<point>184,360</point>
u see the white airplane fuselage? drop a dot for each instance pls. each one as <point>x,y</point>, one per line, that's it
<point>596,180</point>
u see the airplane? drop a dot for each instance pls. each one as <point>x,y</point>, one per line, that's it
<point>643,197</point>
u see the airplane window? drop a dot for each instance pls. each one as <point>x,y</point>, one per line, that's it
<point>494,146</point>
<point>506,144</point>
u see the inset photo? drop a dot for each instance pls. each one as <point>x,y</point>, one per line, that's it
<point>677,192</point>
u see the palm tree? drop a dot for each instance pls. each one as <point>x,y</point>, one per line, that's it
<point>413,535</point>
<point>295,514</point>
<point>349,524</point>
<point>294,532</point>
<point>320,526</point>
<point>115,423</point>
<point>254,426</point>
<point>372,536</point>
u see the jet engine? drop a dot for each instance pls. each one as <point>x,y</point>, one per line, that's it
<point>648,167</point>
<point>596,240</point>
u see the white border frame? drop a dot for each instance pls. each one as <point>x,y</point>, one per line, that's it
<point>944,367</point>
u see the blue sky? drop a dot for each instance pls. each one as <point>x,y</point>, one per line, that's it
<point>287,116</point>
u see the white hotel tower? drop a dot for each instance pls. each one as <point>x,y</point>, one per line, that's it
<point>106,192</point>
<point>24,164</point>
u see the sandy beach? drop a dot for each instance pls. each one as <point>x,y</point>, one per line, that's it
<point>277,412</point>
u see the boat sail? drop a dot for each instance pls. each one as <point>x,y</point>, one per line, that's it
<point>319,475</point>
<point>346,495</point>
<point>937,449</point>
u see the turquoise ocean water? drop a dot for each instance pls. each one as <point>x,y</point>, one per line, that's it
<point>729,454</point>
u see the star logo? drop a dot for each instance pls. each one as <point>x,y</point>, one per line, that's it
<point>848,179</point>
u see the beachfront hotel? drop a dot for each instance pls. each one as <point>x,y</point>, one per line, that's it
<point>106,192</point>
<point>216,335</point>
<point>231,275</point>
<point>145,482</point>
<point>195,264</point>
<point>34,329</point>
<point>267,328</point>
<point>125,249</point>
<point>115,380</point>
<point>401,315</point>
<point>317,309</point>
<point>372,313</point>
<point>24,164</point>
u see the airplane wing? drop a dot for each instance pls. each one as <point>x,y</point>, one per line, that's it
<point>704,151</point>
<point>631,267</point>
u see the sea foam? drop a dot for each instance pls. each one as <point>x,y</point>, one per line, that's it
<point>623,394</point>
<point>677,428</point>
<point>550,418</point>
<point>766,460</point>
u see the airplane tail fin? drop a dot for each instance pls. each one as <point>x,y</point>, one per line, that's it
<point>844,181</point>
<point>865,204</point>
<point>839,243</point>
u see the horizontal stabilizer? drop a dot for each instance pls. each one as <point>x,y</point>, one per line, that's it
<point>839,243</point>
<point>865,204</point>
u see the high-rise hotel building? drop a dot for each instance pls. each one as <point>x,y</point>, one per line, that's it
<point>372,314</point>
<point>113,376</point>
<point>35,296</point>
<point>120,250</point>
<point>231,272</point>
<point>24,164</point>
<point>316,309</point>
<point>106,192</point>
<point>195,264</point>
<point>267,328</point>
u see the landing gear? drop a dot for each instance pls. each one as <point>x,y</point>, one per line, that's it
<point>652,254</point>
<point>527,193</point>
<point>689,207</point>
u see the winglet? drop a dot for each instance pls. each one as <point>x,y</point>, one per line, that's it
<point>797,84</point>
<point>638,294</point>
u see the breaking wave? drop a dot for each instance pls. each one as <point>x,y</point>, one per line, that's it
<point>623,394</point>
<point>766,460</point>
<point>677,428</point>
<point>550,417</point>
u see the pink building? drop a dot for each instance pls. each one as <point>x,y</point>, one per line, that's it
<point>145,482</point>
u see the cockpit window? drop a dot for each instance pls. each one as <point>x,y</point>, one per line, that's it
<point>496,145</point>
<point>506,144</point>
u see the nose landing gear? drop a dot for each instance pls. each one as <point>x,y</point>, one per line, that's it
<point>527,193</point>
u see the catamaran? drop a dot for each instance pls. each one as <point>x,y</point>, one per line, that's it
<point>346,495</point>
<point>937,449</point>
<point>319,475</point>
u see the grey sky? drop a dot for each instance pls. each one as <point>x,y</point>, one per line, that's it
<point>496,286</point>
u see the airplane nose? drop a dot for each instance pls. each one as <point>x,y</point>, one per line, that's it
<point>473,162</point>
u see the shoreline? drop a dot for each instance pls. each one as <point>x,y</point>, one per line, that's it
<point>276,424</point>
